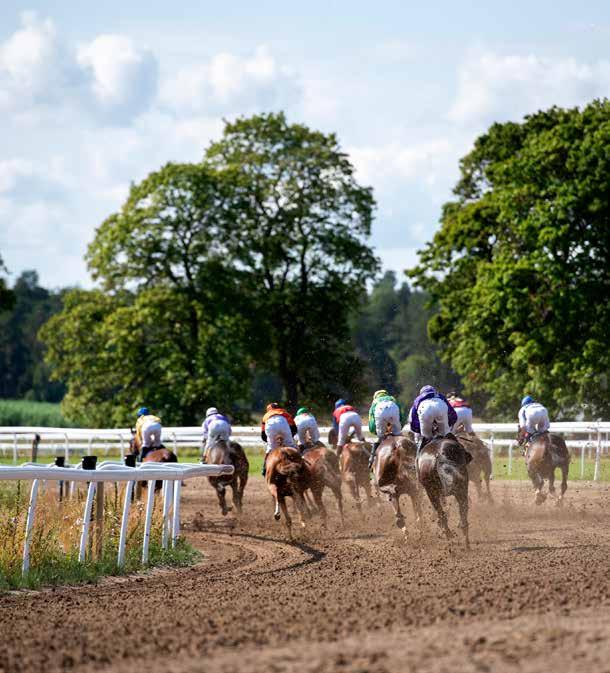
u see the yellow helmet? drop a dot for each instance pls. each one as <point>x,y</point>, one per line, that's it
<point>380,393</point>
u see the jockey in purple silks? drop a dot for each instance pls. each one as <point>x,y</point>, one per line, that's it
<point>430,407</point>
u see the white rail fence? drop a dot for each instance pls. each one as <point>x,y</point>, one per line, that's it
<point>171,475</point>
<point>584,438</point>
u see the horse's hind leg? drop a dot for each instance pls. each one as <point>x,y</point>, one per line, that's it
<point>339,497</point>
<point>487,477</point>
<point>222,499</point>
<point>435,499</point>
<point>287,519</point>
<point>462,499</point>
<point>564,483</point>
<point>400,518</point>
<point>317,496</point>
<point>243,480</point>
<point>538,483</point>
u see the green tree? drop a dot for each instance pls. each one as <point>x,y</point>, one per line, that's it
<point>23,372</point>
<point>7,298</point>
<point>297,223</point>
<point>519,267</point>
<point>166,328</point>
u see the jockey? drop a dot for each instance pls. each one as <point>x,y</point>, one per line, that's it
<point>431,407</point>
<point>345,419</point>
<point>305,420</point>
<point>148,431</point>
<point>277,424</point>
<point>533,417</point>
<point>463,411</point>
<point>384,409</point>
<point>215,427</point>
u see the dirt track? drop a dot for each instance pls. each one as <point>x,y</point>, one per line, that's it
<point>533,594</point>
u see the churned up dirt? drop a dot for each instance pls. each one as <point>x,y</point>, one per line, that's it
<point>532,594</point>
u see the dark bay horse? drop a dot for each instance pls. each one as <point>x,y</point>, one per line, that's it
<point>287,475</point>
<point>324,470</point>
<point>394,474</point>
<point>354,461</point>
<point>443,470</point>
<point>155,454</point>
<point>544,453</point>
<point>229,453</point>
<point>480,466</point>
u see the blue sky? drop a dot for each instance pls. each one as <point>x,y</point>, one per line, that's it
<point>94,96</point>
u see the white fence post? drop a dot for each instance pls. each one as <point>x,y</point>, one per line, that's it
<point>510,459</point>
<point>125,523</point>
<point>491,452</point>
<point>582,462</point>
<point>598,455</point>
<point>29,527</point>
<point>67,448</point>
<point>150,503</point>
<point>15,448</point>
<point>168,495</point>
<point>176,513</point>
<point>82,553</point>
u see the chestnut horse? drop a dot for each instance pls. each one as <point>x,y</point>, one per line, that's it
<point>394,474</point>
<point>442,468</point>
<point>354,461</point>
<point>156,454</point>
<point>481,461</point>
<point>287,475</point>
<point>544,453</point>
<point>324,469</point>
<point>229,453</point>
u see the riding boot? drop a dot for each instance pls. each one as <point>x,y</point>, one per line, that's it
<point>264,470</point>
<point>420,445</point>
<point>372,456</point>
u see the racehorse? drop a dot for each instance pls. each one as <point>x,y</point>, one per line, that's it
<point>156,454</point>
<point>481,461</point>
<point>354,461</point>
<point>324,469</point>
<point>223,452</point>
<point>544,453</point>
<point>287,475</point>
<point>394,473</point>
<point>442,468</point>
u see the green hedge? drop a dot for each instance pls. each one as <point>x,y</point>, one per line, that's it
<point>26,412</point>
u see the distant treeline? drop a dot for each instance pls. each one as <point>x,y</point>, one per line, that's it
<point>388,338</point>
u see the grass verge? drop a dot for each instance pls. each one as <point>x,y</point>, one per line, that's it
<point>27,412</point>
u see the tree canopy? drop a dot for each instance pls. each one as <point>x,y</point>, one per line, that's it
<point>519,267</point>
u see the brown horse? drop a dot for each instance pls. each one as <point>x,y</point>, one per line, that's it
<point>544,453</point>
<point>324,469</point>
<point>354,461</point>
<point>156,454</point>
<point>287,475</point>
<point>481,461</point>
<point>229,453</point>
<point>442,468</point>
<point>394,474</point>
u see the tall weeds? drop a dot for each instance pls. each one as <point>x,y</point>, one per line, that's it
<point>56,537</point>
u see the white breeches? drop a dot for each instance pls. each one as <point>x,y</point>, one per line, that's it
<point>217,430</point>
<point>464,417</point>
<point>429,412</point>
<point>151,435</point>
<point>387,412</point>
<point>536,418</point>
<point>278,433</point>
<point>350,421</point>
<point>308,423</point>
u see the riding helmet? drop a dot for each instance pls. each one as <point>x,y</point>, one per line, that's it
<point>272,405</point>
<point>528,399</point>
<point>211,411</point>
<point>427,389</point>
<point>380,393</point>
<point>142,411</point>
<point>340,403</point>
<point>302,410</point>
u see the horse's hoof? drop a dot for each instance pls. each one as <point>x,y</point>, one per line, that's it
<point>277,517</point>
<point>540,498</point>
<point>400,522</point>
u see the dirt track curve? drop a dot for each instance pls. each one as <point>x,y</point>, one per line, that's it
<point>533,594</point>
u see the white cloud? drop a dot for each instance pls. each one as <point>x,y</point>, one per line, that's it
<point>231,83</point>
<point>123,75</point>
<point>492,87</point>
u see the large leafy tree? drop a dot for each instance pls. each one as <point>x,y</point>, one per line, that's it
<point>297,222</point>
<point>519,267</point>
<point>7,298</point>
<point>165,330</point>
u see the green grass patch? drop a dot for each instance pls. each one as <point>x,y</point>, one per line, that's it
<point>519,470</point>
<point>27,412</point>
<point>56,534</point>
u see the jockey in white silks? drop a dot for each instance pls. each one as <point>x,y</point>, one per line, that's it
<point>306,423</point>
<point>216,427</point>
<point>463,411</point>
<point>533,417</point>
